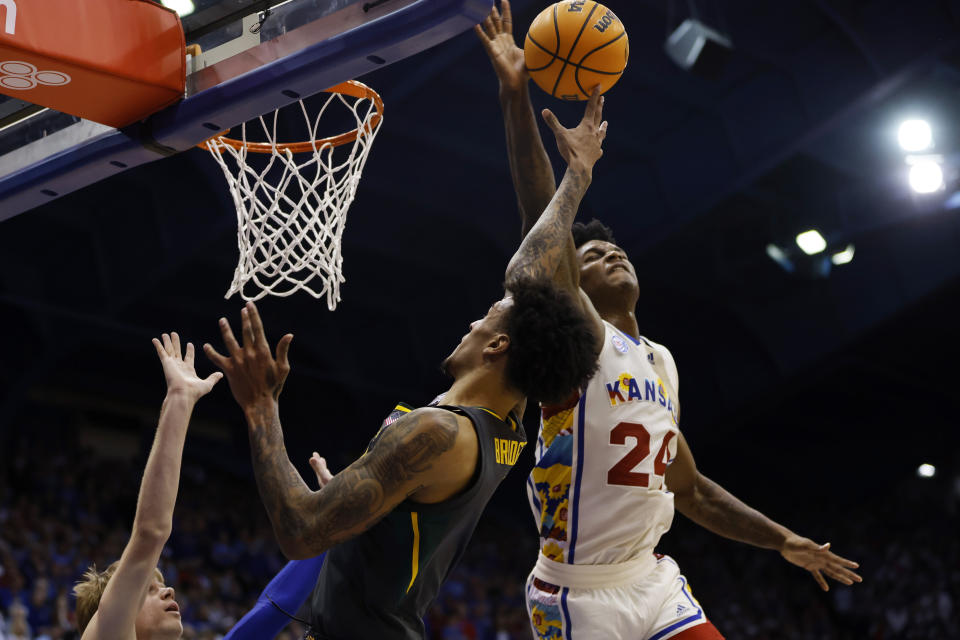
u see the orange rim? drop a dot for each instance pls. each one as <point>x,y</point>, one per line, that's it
<point>349,88</point>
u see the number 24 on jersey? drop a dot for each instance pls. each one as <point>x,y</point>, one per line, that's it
<point>622,473</point>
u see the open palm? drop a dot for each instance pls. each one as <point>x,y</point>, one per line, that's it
<point>496,35</point>
<point>819,560</point>
<point>179,371</point>
<point>583,143</point>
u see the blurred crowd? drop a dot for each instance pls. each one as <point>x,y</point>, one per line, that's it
<point>62,508</point>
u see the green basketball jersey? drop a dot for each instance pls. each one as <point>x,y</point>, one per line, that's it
<point>380,583</point>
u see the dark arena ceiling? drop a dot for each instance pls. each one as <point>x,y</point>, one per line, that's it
<point>699,176</point>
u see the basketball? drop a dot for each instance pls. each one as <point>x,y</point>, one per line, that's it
<point>573,46</point>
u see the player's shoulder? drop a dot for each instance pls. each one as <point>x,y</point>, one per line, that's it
<point>428,430</point>
<point>656,346</point>
<point>432,420</point>
<point>667,357</point>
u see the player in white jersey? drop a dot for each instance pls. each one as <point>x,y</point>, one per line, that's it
<point>611,462</point>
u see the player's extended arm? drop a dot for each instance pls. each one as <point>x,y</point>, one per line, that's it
<point>530,165</point>
<point>415,452</point>
<point>713,507</point>
<point>549,242</point>
<point>153,521</point>
<point>279,601</point>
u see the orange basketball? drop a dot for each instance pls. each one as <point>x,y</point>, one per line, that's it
<point>574,45</point>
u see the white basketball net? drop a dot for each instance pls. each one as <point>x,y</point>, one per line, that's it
<point>290,222</point>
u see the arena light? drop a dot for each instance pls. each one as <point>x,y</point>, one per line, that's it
<point>777,255</point>
<point>926,471</point>
<point>915,135</point>
<point>182,7</point>
<point>811,242</point>
<point>843,257</point>
<point>926,176</point>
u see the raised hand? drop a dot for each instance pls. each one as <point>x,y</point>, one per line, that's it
<point>496,36</point>
<point>581,146</point>
<point>178,370</point>
<point>253,372</point>
<point>819,560</point>
<point>319,466</point>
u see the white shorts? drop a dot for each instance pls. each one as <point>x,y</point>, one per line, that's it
<point>658,606</point>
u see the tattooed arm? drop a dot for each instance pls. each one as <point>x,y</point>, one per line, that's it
<point>713,507</point>
<point>426,451</point>
<point>549,245</point>
<point>416,452</point>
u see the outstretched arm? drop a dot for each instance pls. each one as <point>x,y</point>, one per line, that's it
<point>713,507</point>
<point>530,166</point>
<point>279,601</point>
<point>549,244</point>
<point>543,249</point>
<point>153,521</point>
<point>415,452</point>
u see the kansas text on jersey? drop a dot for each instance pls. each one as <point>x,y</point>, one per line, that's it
<point>597,491</point>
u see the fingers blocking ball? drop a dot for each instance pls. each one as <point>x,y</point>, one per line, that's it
<point>573,46</point>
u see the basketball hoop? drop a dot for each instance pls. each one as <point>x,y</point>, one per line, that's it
<point>291,212</point>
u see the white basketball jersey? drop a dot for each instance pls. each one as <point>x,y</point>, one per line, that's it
<point>597,490</point>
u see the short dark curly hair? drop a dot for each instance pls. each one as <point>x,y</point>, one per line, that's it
<point>593,230</point>
<point>552,345</point>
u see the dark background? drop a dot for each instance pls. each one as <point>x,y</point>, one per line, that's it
<point>812,398</point>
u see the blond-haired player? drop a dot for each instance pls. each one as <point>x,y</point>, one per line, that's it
<point>129,600</point>
<point>612,463</point>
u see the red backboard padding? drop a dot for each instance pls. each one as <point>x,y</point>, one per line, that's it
<point>110,61</point>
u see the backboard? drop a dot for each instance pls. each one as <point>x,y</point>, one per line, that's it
<point>255,56</point>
